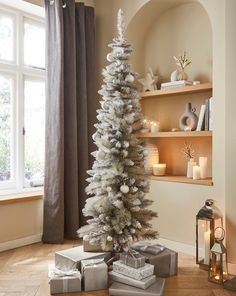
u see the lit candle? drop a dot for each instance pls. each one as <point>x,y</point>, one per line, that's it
<point>203,167</point>
<point>207,246</point>
<point>159,169</point>
<point>155,126</point>
<point>196,172</point>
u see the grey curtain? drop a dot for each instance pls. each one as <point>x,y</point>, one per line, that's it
<point>70,114</point>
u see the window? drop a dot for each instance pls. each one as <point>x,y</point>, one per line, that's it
<point>22,100</point>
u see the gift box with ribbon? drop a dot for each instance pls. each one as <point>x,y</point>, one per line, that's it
<point>70,259</point>
<point>142,284</point>
<point>135,273</point>
<point>63,281</point>
<point>153,248</point>
<point>94,274</point>
<point>133,259</point>
<point>166,262</point>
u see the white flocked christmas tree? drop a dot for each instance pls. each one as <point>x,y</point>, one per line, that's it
<point>118,210</point>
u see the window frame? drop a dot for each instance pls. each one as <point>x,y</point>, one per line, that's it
<point>13,15</point>
<point>19,71</point>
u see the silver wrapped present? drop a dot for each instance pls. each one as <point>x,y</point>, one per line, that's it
<point>135,273</point>
<point>166,262</point>
<point>87,247</point>
<point>133,259</point>
<point>141,284</point>
<point>157,289</point>
<point>63,281</point>
<point>152,247</point>
<point>70,259</point>
<point>94,274</point>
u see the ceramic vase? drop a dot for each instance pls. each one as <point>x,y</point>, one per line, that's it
<point>188,120</point>
<point>182,75</point>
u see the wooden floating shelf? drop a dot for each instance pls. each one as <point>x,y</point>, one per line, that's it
<point>182,179</point>
<point>199,88</point>
<point>175,134</point>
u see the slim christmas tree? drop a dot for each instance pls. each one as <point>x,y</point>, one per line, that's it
<point>118,183</point>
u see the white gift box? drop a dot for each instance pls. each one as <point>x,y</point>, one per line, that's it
<point>135,273</point>
<point>70,259</point>
<point>63,281</point>
<point>156,289</point>
<point>94,274</point>
<point>141,284</point>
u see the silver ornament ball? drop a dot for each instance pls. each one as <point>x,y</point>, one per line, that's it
<point>129,78</point>
<point>124,189</point>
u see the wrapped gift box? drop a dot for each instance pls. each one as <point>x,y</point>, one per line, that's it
<point>141,284</point>
<point>94,274</point>
<point>91,248</point>
<point>134,259</point>
<point>135,273</point>
<point>63,282</point>
<point>166,262</point>
<point>70,259</point>
<point>152,247</point>
<point>157,289</point>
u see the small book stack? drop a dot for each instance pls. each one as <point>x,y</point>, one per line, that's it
<point>176,84</point>
<point>132,276</point>
<point>205,116</point>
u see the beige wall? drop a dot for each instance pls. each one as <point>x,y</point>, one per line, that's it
<point>20,220</point>
<point>230,74</point>
<point>177,30</point>
<point>151,27</point>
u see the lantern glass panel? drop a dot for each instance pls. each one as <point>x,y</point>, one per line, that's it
<point>203,241</point>
<point>205,238</point>
<point>218,268</point>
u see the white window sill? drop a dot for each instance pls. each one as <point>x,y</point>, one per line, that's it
<point>20,197</point>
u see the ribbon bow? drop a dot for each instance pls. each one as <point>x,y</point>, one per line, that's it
<point>91,262</point>
<point>56,273</point>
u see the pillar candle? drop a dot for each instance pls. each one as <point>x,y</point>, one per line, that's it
<point>203,167</point>
<point>207,246</point>
<point>196,172</point>
<point>159,169</point>
<point>155,127</point>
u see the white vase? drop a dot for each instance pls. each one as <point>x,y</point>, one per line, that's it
<point>191,163</point>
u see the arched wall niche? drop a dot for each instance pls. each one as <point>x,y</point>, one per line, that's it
<point>141,31</point>
<point>162,29</point>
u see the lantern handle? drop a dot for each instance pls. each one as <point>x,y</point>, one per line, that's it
<point>221,238</point>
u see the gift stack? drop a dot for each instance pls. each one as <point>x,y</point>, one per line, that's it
<point>75,270</point>
<point>131,275</point>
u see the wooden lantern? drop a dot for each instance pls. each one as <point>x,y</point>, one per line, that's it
<point>207,219</point>
<point>218,271</point>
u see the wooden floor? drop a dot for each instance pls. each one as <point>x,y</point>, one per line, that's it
<point>23,272</point>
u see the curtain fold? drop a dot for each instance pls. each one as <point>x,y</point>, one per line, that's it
<point>70,115</point>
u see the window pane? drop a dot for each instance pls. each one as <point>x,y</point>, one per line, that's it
<point>34,129</point>
<point>6,37</point>
<point>34,45</point>
<point>5,128</point>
